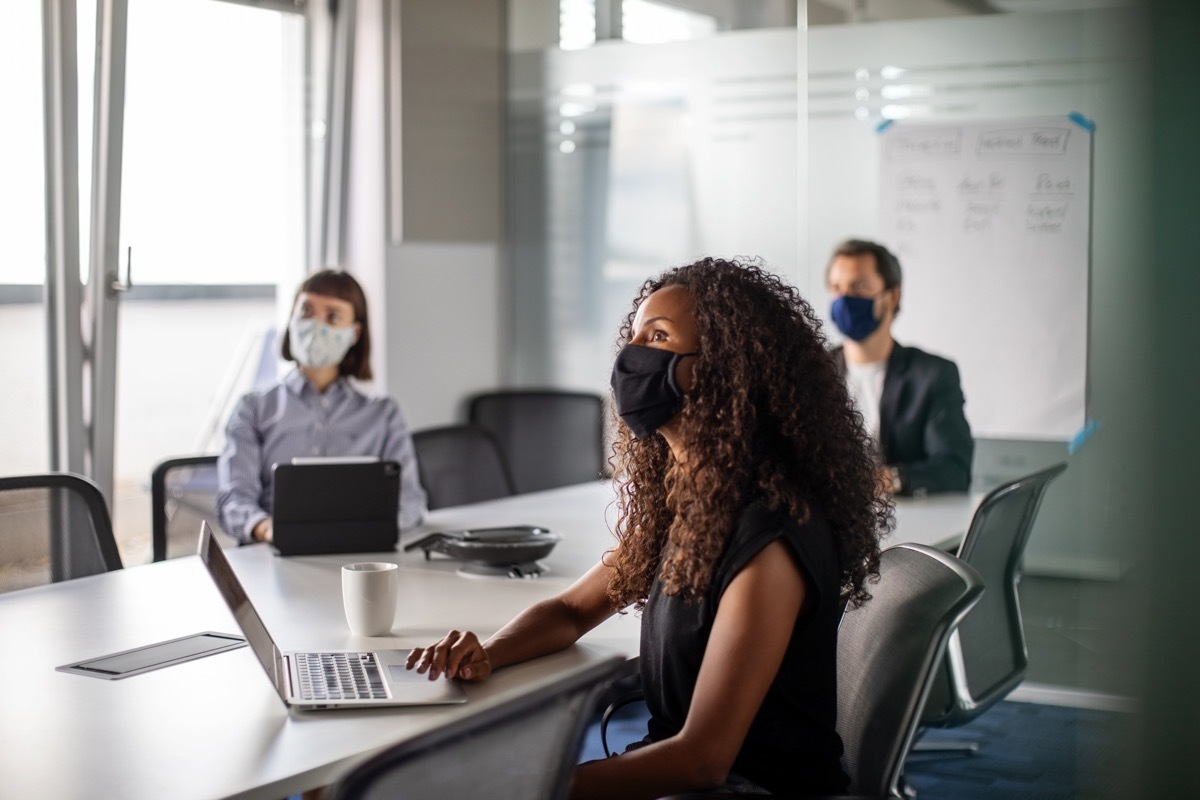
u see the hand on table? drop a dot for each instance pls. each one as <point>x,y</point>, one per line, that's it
<point>457,655</point>
<point>888,480</point>
<point>262,530</point>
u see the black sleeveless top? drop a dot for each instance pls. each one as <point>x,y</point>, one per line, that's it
<point>792,745</point>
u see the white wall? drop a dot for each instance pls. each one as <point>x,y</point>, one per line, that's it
<point>443,271</point>
<point>443,328</point>
<point>365,227</point>
<point>424,211</point>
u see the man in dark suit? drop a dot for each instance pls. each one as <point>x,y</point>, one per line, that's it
<point>911,401</point>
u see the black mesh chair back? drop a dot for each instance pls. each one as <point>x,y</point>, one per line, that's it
<point>460,464</point>
<point>520,749</point>
<point>987,657</point>
<point>53,527</point>
<point>548,438</point>
<point>888,653</point>
<point>183,493</point>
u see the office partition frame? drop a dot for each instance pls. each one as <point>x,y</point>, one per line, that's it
<point>82,323</point>
<point>64,295</point>
<point>104,285</point>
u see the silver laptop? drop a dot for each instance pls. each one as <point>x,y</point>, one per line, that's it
<point>328,678</point>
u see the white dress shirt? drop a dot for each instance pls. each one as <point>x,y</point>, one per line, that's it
<point>865,382</point>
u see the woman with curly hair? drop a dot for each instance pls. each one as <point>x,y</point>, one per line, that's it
<point>749,516</point>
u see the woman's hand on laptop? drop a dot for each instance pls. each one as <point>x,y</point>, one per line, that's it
<point>457,655</point>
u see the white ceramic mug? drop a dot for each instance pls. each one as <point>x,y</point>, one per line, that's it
<point>369,591</point>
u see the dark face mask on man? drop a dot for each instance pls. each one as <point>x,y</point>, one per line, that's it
<point>644,387</point>
<point>855,316</point>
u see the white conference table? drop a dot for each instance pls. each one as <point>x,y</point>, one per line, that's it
<point>214,727</point>
<point>937,520</point>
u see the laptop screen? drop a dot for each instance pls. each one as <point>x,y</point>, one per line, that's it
<point>239,603</point>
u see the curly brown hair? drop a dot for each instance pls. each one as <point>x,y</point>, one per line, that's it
<point>769,419</point>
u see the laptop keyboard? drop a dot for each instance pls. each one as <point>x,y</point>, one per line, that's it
<point>339,676</point>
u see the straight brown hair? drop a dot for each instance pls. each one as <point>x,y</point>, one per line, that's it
<point>339,284</point>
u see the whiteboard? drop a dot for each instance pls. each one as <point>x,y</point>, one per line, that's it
<point>991,224</point>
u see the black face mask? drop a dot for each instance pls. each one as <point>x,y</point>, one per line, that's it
<point>644,387</point>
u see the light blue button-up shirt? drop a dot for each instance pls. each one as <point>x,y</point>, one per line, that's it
<point>293,419</point>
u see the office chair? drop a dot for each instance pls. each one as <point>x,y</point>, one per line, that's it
<point>460,464</point>
<point>53,527</point>
<point>183,491</point>
<point>523,748</point>
<point>987,657</point>
<point>888,652</point>
<point>548,438</point>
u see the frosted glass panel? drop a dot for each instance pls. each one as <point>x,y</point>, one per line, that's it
<point>626,159</point>
<point>729,103</point>
<point>999,67</point>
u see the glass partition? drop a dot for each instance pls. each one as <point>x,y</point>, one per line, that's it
<point>625,159</point>
<point>212,206</point>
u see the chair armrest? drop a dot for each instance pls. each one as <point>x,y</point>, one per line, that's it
<point>618,703</point>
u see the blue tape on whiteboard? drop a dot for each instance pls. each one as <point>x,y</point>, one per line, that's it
<point>1086,433</point>
<point>1082,121</point>
<point>883,126</point>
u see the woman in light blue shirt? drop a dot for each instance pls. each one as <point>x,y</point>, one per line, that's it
<point>314,411</point>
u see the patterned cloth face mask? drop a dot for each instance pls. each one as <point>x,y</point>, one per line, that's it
<point>315,344</point>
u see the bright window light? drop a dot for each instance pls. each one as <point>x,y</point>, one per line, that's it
<point>213,157</point>
<point>576,24</point>
<point>903,91</point>
<point>895,111</point>
<point>22,199</point>
<point>648,22</point>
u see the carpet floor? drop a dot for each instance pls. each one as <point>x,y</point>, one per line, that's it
<point>1027,751</point>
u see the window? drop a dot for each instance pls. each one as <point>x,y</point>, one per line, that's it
<point>212,204</point>
<point>647,22</point>
<point>582,22</point>
<point>23,268</point>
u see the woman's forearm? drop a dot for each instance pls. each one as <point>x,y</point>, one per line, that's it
<point>544,627</point>
<point>554,624</point>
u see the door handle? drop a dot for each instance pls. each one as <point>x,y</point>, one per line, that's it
<point>118,285</point>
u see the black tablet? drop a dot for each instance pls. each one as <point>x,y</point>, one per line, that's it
<point>335,506</point>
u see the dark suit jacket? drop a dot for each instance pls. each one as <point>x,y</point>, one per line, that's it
<point>922,429</point>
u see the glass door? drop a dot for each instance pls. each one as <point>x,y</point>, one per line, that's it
<point>212,220</point>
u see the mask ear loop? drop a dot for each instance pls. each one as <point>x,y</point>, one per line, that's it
<point>675,359</point>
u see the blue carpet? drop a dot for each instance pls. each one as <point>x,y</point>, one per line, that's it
<point>1026,751</point>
